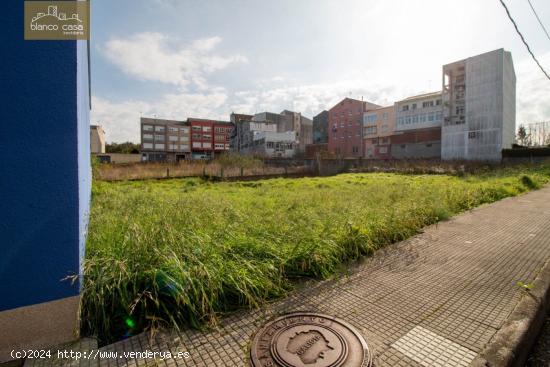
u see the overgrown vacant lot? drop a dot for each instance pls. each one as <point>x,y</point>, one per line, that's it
<point>174,252</point>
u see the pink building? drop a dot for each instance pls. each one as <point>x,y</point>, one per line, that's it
<point>345,122</point>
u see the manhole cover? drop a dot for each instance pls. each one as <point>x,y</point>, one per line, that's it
<point>309,340</point>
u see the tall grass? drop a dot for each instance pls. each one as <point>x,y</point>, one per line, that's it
<point>179,252</point>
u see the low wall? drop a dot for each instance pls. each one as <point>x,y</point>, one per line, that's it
<point>145,170</point>
<point>118,158</point>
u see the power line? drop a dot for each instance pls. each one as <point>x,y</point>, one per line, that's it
<point>540,22</point>
<point>523,39</point>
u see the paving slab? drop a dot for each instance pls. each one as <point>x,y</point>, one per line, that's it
<point>435,299</point>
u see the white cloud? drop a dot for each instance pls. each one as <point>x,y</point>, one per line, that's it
<point>532,91</point>
<point>153,57</point>
<point>120,120</point>
<point>313,98</point>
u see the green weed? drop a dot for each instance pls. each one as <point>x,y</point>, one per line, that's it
<point>182,251</point>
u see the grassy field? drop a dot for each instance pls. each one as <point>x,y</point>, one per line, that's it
<point>180,251</point>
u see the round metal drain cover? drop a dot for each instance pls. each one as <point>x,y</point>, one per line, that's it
<point>309,340</point>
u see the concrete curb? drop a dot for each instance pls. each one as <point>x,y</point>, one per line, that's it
<point>511,345</point>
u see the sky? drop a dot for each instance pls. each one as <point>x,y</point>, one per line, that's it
<point>176,59</point>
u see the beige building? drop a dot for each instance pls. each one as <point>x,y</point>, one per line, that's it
<point>97,139</point>
<point>378,126</point>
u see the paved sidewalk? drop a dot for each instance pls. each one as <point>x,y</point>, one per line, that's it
<point>435,299</point>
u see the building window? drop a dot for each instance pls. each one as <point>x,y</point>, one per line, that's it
<point>438,102</point>
<point>206,128</point>
<point>147,128</point>
<point>197,144</point>
<point>385,128</point>
<point>148,136</point>
<point>196,128</point>
<point>405,107</point>
<point>159,128</point>
<point>172,129</point>
<point>370,130</point>
<point>159,137</point>
<point>414,106</point>
<point>184,138</point>
<point>207,145</point>
<point>159,146</point>
<point>173,138</point>
<point>184,130</point>
<point>383,150</point>
<point>206,136</point>
<point>385,116</point>
<point>427,104</point>
<point>184,147</point>
<point>197,136</point>
<point>459,110</point>
<point>367,119</point>
<point>147,146</point>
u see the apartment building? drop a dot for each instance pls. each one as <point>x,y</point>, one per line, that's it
<point>301,125</point>
<point>290,121</point>
<point>320,128</point>
<point>244,128</point>
<point>273,144</point>
<point>418,127</point>
<point>97,139</point>
<point>209,137</point>
<point>479,106</point>
<point>164,140</point>
<point>345,121</point>
<point>378,126</point>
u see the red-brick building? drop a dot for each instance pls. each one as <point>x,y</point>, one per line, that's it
<point>209,137</point>
<point>345,121</point>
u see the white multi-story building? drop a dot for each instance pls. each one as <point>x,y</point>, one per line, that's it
<point>419,112</point>
<point>273,144</point>
<point>479,107</point>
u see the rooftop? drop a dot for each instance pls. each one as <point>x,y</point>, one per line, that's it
<point>424,95</point>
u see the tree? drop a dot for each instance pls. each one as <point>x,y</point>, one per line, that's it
<point>522,135</point>
<point>126,148</point>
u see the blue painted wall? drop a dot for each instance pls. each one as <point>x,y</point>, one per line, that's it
<point>45,165</point>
